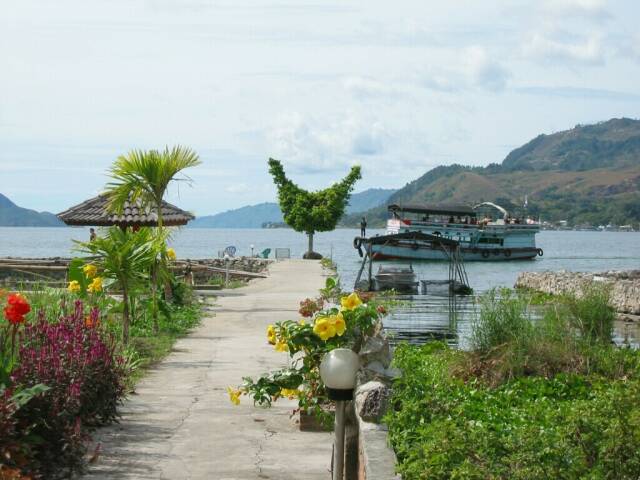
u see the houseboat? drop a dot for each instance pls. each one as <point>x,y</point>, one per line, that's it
<point>493,236</point>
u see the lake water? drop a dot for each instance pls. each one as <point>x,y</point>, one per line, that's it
<point>426,316</point>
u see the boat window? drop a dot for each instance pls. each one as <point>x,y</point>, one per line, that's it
<point>493,241</point>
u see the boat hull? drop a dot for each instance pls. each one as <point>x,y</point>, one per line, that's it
<point>400,252</point>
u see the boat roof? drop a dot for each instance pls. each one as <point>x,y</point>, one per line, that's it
<point>437,209</point>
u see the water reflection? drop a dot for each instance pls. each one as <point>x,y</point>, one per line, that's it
<point>419,319</point>
<point>422,318</point>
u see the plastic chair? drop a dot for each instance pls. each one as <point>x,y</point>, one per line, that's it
<point>265,253</point>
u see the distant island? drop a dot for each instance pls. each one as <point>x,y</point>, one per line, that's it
<point>585,178</point>
<point>11,215</point>
<point>268,215</point>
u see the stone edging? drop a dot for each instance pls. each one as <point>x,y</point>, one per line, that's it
<point>376,459</point>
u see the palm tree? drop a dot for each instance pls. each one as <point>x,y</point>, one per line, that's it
<point>145,176</point>
<point>126,257</point>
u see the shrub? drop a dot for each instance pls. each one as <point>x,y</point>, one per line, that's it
<point>86,381</point>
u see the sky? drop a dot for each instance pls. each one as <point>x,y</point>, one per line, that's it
<point>396,87</point>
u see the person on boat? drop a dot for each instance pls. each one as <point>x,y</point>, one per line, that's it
<point>363,227</point>
<point>92,234</point>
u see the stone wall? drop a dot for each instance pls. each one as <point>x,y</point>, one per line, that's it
<point>55,269</point>
<point>369,455</point>
<point>625,285</point>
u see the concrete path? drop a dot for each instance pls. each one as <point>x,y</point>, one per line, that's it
<point>181,425</point>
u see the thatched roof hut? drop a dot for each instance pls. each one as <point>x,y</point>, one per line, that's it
<point>95,213</point>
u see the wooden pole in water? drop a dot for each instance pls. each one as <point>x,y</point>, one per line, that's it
<point>370,266</point>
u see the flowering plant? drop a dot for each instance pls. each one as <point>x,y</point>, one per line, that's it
<point>78,361</point>
<point>14,312</point>
<point>306,341</point>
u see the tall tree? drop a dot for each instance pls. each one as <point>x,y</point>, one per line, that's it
<point>312,212</point>
<point>145,176</point>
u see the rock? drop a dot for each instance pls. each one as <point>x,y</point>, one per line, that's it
<point>376,349</point>
<point>312,256</point>
<point>625,285</point>
<point>372,400</point>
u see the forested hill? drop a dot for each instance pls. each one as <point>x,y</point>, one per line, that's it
<point>12,215</point>
<point>589,174</point>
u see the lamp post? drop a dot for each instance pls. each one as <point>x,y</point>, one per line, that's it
<point>226,274</point>
<point>252,247</point>
<point>338,372</point>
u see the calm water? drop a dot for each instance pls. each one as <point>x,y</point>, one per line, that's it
<point>426,316</point>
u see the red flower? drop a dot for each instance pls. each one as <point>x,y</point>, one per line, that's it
<point>17,307</point>
<point>382,310</point>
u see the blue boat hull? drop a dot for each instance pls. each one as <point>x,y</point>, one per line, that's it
<point>401,252</point>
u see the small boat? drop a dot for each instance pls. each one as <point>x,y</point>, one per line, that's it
<point>396,278</point>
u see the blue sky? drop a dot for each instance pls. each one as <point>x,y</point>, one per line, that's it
<point>398,87</point>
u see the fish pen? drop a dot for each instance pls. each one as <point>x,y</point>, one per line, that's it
<point>457,281</point>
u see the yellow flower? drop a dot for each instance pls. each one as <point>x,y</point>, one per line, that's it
<point>281,347</point>
<point>95,286</point>
<point>271,334</point>
<point>74,286</point>
<point>290,393</point>
<point>234,395</point>
<point>324,328</point>
<point>171,254</point>
<point>338,323</point>
<point>90,270</point>
<point>350,302</point>
<point>302,322</point>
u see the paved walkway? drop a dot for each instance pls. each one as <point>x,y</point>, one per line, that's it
<point>181,425</point>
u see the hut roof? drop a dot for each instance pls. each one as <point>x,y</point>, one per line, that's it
<point>94,212</point>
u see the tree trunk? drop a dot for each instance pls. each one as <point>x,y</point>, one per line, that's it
<point>154,296</point>
<point>125,315</point>
<point>310,242</point>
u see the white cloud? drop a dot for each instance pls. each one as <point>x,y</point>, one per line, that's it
<point>364,88</point>
<point>483,71</point>
<point>558,46</point>
<point>594,10</point>
<point>474,68</point>
<point>309,143</point>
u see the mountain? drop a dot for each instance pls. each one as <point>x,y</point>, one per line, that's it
<point>589,174</point>
<point>12,215</point>
<point>254,216</point>
<point>371,198</point>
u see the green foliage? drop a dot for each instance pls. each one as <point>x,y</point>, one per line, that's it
<point>76,273</point>
<point>126,257</point>
<point>539,396</point>
<point>311,212</point>
<point>567,426</point>
<point>146,175</point>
